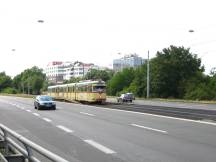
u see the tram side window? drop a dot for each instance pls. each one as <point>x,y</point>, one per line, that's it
<point>89,88</point>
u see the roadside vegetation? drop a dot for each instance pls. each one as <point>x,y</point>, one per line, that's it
<point>175,73</point>
<point>30,81</point>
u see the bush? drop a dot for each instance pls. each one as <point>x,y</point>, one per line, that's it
<point>9,90</point>
<point>201,92</point>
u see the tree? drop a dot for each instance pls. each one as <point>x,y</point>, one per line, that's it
<point>170,69</point>
<point>30,81</point>
<point>5,81</point>
<point>120,81</point>
<point>104,75</point>
<point>73,80</point>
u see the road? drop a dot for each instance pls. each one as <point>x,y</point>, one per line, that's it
<point>83,133</point>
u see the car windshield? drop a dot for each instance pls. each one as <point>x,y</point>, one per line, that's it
<point>45,98</point>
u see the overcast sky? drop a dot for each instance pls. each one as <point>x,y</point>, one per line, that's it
<point>97,30</point>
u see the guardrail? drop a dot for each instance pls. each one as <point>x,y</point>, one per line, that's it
<point>28,145</point>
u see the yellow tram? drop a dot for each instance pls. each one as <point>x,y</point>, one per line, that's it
<point>84,91</point>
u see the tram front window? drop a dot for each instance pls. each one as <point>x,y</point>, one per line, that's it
<point>99,88</point>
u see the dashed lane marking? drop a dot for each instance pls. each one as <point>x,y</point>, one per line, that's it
<point>65,129</point>
<point>100,147</point>
<point>87,114</point>
<point>47,120</point>
<point>36,114</point>
<point>149,128</point>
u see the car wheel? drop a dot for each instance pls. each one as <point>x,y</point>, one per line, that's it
<point>54,108</point>
<point>38,107</point>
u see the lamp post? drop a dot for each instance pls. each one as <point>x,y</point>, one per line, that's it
<point>148,79</point>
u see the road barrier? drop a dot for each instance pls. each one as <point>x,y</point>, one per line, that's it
<point>29,146</point>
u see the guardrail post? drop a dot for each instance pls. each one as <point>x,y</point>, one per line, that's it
<point>29,151</point>
<point>5,141</point>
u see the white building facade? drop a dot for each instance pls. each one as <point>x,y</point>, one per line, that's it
<point>57,71</point>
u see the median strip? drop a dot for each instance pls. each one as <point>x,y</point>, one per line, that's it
<point>148,128</point>
<point>100,147</point>
<point>65,129</point>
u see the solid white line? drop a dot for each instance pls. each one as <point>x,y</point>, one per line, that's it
<point>148,128</point>
<point>36,114</point>
<point>65,129</point>
<point>87,114</point>
<point>100,147</point>
<point>28,110</point>
<point>160,116</point>
<point>47,120</point>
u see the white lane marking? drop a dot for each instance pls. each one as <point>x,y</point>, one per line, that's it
<point>149,128</point>
<point>36,114</point>
<point>47,120</point>
<point>100,147</point>
<point>65,129</point>
<point>160,116</point>
<point>87,114</point>
<point>29,110</point>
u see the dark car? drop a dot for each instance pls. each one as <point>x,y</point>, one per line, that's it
<point>44,102</point>
<point>127,97</point>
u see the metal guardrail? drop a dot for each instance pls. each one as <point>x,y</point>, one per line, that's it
<point>28,145</point>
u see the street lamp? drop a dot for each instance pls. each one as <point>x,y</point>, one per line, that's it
<point>148,79</point>
<point>191,31</point>
<point>40,21</point>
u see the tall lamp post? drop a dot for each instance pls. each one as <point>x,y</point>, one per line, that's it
<point>148,79</point>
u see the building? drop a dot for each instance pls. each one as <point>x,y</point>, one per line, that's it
<point>132,60</point>
<point>55,72</point>
<point>78,69</point>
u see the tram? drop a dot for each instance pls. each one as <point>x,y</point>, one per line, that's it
<point>83,91</point>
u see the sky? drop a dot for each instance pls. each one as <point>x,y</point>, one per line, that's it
<point>98,31</point>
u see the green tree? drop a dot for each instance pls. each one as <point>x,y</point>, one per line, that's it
<point>73,80</point>
<point>30,81</point>
<point>170,69</point>
<point>5,81</point>
<point>120,81</point>
<point>104,75</point>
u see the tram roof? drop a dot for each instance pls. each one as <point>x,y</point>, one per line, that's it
<point>78,83</point>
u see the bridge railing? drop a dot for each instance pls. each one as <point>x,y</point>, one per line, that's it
<point>28,148</point>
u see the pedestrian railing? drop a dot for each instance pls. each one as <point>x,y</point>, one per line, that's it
<point>29,146</point>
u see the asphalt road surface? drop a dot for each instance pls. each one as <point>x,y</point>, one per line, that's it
<point>82,133</point>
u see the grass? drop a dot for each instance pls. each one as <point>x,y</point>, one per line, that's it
<point>18,95</point>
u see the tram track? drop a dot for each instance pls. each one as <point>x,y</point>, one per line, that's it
<point>187,113</point>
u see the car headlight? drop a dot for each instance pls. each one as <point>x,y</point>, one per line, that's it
<point>54,103</point>
<point>41,103</point>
